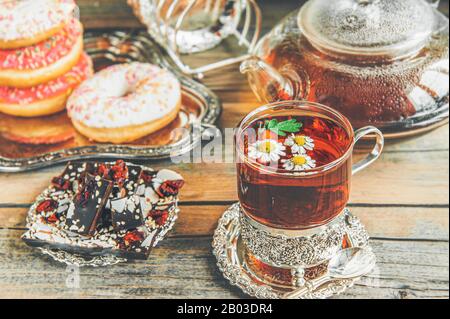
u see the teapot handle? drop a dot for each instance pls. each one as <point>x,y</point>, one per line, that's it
<point>272,85</point>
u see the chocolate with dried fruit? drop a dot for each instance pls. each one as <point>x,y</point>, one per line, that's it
<point>88,204</point>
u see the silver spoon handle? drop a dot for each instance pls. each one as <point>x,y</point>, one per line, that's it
<point>309,287</point>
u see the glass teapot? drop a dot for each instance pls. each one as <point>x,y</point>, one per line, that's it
<point>379,62</point>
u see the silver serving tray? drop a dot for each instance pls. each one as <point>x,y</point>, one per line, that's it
<point>201,108</point>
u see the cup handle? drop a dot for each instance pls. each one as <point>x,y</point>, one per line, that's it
<point>376,151</point>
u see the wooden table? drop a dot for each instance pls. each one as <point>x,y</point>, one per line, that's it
<point>403,200</point>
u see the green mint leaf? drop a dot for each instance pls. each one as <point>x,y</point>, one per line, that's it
<point>272,124</point>
<point>280,133</point>
<point>290,126</point>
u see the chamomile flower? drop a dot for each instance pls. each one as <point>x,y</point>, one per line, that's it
<point>266,151</point>
<point>300,144</point>
<point>298,163</point>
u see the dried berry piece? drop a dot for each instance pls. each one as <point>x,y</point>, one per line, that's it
<point>60,183</point>
<point>147,177</point>
<point>52,219</point>
<point>159,216</point>
<point>119,173</point>
<point>132,239</point>
<point>103,171</point>
<point>170,188</point>
<point>47,206</point>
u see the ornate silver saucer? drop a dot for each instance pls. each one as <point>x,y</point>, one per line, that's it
<point>231,240</point>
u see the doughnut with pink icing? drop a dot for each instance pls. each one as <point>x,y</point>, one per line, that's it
<point>27,22</point>
<point>44,61</point>
<point>125,102</point>
<point>47,98</point>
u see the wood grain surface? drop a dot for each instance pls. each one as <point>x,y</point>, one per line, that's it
<point>403,200</point>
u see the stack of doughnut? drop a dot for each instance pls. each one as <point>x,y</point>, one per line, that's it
<point>41,56</point>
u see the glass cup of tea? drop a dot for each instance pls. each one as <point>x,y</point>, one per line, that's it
<point>295,165</point>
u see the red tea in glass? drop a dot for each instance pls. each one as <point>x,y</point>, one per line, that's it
<point>295,164</point>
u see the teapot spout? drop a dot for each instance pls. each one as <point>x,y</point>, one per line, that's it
<point>272,85</point>
<point>267,83</point>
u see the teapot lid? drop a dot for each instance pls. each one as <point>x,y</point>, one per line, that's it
<point>367,27</point>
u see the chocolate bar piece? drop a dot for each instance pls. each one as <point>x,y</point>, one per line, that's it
<point>137,241</point>
<point>125,207</point>
<point>125,186</point>
<point>134,172</point>
<point>69,179</point>
<point>126,213</point>
<point>147,195</point>
<point>71,173</point>
<point>88,204</point>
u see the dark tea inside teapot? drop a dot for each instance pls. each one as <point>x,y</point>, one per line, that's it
<point>378,62</point>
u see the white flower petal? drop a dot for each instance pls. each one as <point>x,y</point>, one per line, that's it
<point>289,142</point>
<point>274,157</point>
<point>276,151</point>
<point>289,165</point>
<point>265,157</point>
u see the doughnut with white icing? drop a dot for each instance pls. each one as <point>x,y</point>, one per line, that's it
<point>125,102</point>
<point>42,62</point>
<point>27,22</point>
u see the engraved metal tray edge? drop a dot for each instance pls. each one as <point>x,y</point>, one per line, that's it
<point>155,55</point>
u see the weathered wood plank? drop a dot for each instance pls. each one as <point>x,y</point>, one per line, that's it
<point>398,178</point>
<point>102,14</point>
<point>381,222</point>
<point>185,268</point>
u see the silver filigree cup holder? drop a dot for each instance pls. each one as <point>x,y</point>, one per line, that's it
<point>271,266</point>
<point>191,26</point>
<point>300,251</point>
